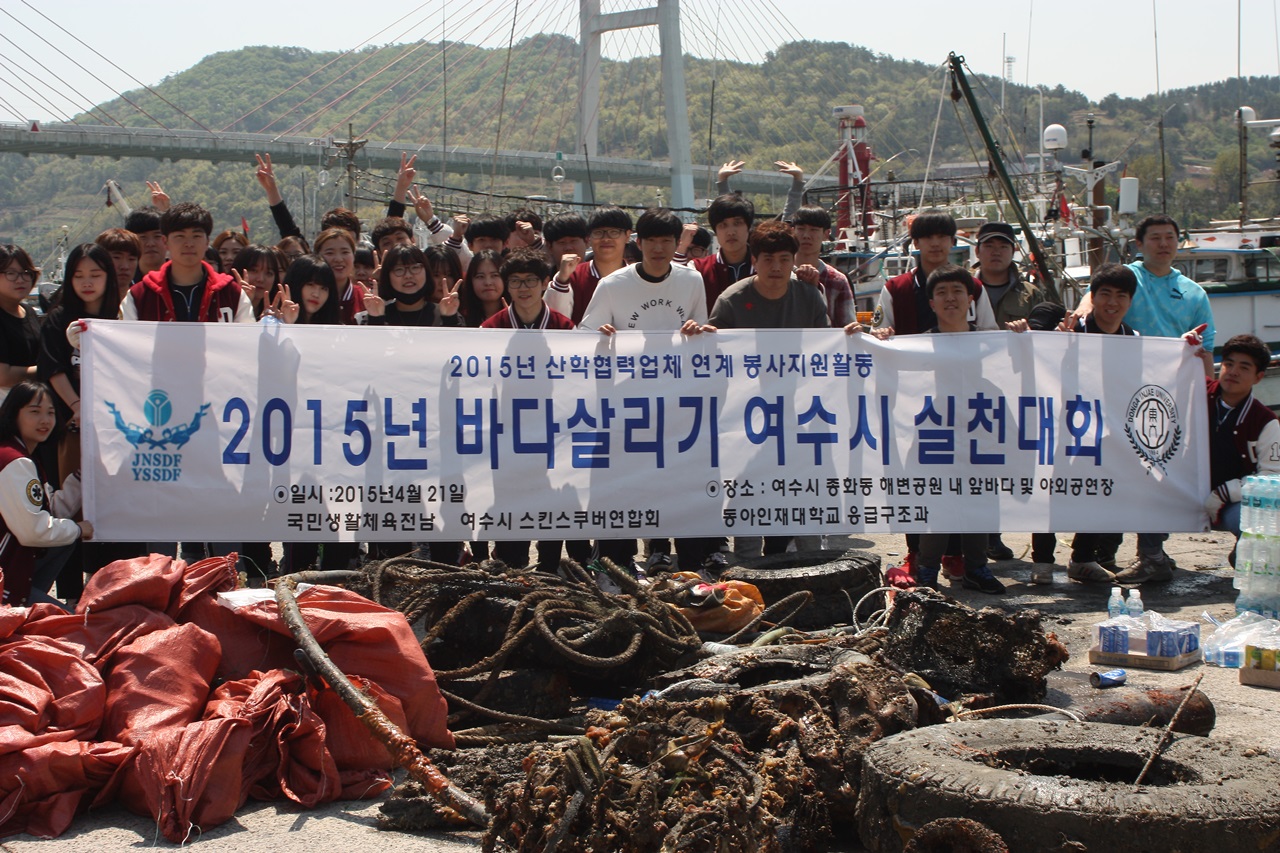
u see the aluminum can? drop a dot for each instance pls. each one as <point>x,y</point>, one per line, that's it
<point>1110,678</point>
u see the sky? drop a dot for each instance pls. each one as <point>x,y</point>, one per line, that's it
<point>143,41</point>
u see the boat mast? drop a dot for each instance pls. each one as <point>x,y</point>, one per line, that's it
<point>997,163</point>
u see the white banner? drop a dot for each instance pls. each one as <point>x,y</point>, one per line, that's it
<point>228,432</point>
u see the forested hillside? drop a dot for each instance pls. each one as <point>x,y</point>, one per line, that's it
<point>779,109</point>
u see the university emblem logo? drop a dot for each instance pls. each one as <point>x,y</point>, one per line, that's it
<point>1152,425</point>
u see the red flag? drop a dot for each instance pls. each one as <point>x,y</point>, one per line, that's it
<point>1063,207</point>
<point>244,223</point>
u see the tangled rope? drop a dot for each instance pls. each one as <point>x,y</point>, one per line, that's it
<point>561,622</point>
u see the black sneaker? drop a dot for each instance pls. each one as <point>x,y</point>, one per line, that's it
<point>713,565</point>
<point>998,551</point>
<point>982,580</point>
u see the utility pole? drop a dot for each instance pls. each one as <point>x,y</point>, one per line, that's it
<point>347,151</point>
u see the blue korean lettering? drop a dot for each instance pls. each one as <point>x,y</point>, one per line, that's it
<point>590,446</point>
<point>817,439</point>
<point>937,446</point>
<point>713,426</point>
<point>989,415</point>
<point>1084,417</point>
<point>520,443</point>
<point>652,416</point>
<point>771,426</point>
<point>416,425</point>
<point>862,431</point>
<point>1041,423</point>
<point>481,434</point>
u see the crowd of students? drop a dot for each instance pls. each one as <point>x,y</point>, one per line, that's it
<point>571,271</point>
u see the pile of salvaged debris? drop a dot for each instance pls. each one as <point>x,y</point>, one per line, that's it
<point>585,720</point>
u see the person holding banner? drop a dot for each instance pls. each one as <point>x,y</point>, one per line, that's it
<point>903,309</point>
<point>526,275</point>
<point>32,516</point>
<point>653,295</point>
<point>1244,434</point>
<point>186,288</point>
<point>772,298</point>
<point>951,291</point>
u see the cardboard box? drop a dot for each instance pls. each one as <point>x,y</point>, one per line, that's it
<point>1260,678</point>
<point>1168,664</point>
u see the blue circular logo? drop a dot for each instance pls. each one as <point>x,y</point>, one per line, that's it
<point>157,408</point>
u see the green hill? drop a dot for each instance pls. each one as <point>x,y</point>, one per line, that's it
<point>778,109</point>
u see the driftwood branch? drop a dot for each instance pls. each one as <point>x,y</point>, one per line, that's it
<point>402,747</point>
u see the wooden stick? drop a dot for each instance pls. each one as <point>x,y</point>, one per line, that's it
<point>402,747</point>
<point>1168,731</point>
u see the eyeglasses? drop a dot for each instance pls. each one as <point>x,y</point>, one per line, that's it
<point>17,276</point>
<point>524,282</point>
<point>607,233</point>
<point>408,270</point>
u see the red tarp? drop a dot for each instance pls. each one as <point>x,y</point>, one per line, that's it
<point>115,701</point>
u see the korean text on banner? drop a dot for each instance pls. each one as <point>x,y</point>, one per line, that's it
<point>226,432</point>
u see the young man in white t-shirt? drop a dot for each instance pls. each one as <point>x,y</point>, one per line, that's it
<point>652,296</point>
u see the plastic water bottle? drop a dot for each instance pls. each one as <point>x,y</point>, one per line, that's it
<point>1115,604</point>
<point>1134,604</point>
<point>1248,531</point>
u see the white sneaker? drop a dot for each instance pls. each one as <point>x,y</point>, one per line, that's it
<point>1042,573</point>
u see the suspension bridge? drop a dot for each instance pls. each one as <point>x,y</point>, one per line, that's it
<point>90,130</point>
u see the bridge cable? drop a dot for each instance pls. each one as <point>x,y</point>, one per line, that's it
<point>19,83</point>
<point>50,72</point>
<point>112,64</point>
<point>317,113</point>
<point>459,67</point>
<point>299,82</point>
<point>502,100</point>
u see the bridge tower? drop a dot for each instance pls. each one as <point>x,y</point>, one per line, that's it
<point>666,17</point>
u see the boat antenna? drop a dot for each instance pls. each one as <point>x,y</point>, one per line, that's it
<point>1164,185</point>
<point>996,155</point>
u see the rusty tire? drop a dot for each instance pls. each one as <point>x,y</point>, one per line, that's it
<point>837,579</point>
<point>1054,786</point>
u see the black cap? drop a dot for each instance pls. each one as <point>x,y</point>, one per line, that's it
<point>1000,230</point>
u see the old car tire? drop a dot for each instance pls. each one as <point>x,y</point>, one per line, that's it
<point>1046,785</point>
<point>837,579</point>
<point>955,834</point>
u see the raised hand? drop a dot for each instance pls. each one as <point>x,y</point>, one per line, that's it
<point>687,232</point>
<point>248,289</point>
<point>524,230</point>
<point>421,205</point>
<point>159,198</point>
<point>284,308</point>
<point>448,304</point>
<point>267,179</point>
<point>404,177</point>
<point>808,273</point>
<point>374,304</point>
<point>568,263</point>
<point>788,168</point>
<point>460,223</point>
<point>728,170</point>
